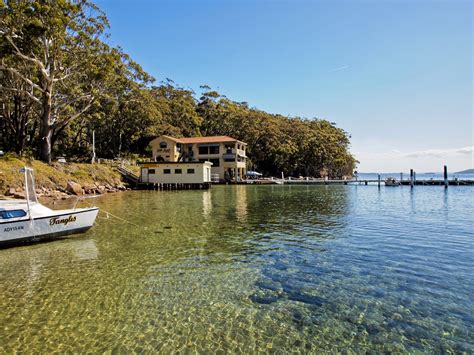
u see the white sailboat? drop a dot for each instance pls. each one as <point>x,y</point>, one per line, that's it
<point>23,220</point>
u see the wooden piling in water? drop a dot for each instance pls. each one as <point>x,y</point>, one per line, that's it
<point>379,180</point>
<point>446,183</point>
<point>411,177</point>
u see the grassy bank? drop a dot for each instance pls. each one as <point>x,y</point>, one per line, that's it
<point>55,177</point>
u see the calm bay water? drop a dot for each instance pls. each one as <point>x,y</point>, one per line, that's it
<point>252,268</point>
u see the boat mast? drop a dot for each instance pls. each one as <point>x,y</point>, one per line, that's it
<point>25,171</point>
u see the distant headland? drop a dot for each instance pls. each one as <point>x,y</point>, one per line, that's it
<point>468,171</point>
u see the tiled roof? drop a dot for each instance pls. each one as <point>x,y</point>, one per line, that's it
<point>212,139</point>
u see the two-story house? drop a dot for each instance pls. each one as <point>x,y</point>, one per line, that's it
<point>226,154</point>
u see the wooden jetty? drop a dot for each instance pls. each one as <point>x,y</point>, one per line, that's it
<point>452,182</point>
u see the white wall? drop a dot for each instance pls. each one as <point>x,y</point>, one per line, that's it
<point>202,173</point>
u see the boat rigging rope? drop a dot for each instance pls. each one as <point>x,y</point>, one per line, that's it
<point>81,198</point>
<point>119,218</point>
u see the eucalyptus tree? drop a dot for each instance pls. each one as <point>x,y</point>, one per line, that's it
<point>18,120</point>
<point>60,42</point>
<point>178,109</point>
<point>126,110</point>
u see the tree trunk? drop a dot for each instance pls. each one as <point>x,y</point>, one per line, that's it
<point>46,129</point>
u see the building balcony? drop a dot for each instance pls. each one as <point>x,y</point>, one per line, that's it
<point>229,157</point>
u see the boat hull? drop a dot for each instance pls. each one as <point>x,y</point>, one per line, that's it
<point>47,227</point>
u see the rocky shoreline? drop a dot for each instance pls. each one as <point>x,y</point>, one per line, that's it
<point>58,181</point>
<point>72,189</point>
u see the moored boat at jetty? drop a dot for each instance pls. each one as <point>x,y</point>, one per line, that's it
<point>390,181</point>
<point>29,220</point>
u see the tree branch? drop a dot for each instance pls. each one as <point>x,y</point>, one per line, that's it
<point>25,57</point>
<point>60,106</point>
<point>68,72</point>
<point>65,121</point>
<point>18,74</point>
<point>34,98</point>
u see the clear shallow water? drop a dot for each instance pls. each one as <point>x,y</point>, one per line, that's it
<point>252,268</point>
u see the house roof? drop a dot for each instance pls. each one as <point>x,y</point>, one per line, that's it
<point>212,139</point>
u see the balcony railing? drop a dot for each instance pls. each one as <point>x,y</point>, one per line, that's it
<point>229,156</point>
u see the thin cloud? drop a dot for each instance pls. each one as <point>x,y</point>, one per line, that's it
<point>433,153</point>
<point>390,160</point>
<point>339,69</point>
<point>439,153</point>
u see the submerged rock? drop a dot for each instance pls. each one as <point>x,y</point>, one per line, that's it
<point>268,285</point>
<point>306,298</point>
<point>74,188</point>
<point>265,296</point>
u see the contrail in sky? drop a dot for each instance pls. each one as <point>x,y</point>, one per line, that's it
<point>338,69</point>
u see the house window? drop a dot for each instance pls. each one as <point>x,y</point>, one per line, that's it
<point>190,171</point>
<point>203,150</point>
<point>214,150</point>
<point>163,145</point>
<point>215,162</point>
<point>167,171</point>
<point>178,171</point>
<point>151,171</point>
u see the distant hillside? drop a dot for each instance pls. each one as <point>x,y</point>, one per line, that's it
<point>468,171</point>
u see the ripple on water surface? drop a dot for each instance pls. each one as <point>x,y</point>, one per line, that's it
<point>251,268</point>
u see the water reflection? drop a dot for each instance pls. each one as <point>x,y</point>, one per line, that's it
<point>206,203</point>
<point>241,203</point>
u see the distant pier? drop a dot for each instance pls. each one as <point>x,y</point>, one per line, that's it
<point>411,181</point>
<point>430,182</point>
<point>452,182</point>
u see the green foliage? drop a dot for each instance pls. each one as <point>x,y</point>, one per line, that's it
<point>59,82</point>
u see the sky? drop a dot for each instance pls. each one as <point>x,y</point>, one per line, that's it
<point>396,75</point>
